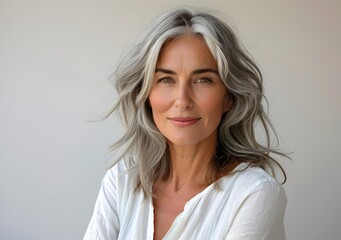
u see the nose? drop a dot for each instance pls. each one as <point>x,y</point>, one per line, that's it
<point>184,99</point>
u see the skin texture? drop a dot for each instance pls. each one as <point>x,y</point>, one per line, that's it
<point>187,99</point>
<point>184,93</point>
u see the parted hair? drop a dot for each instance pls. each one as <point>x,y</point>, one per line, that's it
<point>145,147</point>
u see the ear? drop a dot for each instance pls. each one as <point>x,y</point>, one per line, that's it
<point>148,103</point>
<point>228,102</point>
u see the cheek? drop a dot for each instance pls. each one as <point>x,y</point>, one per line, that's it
<point>214,104</point>
<point>214,110</point>
<point>159,102</point>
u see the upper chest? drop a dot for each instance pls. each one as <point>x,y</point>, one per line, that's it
<point>167,206</point>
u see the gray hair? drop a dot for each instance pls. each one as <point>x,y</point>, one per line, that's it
<point>142,143</point>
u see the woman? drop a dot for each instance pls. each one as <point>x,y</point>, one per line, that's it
<point>191,166</point>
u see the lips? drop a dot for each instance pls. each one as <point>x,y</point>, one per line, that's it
<point>184,121</point>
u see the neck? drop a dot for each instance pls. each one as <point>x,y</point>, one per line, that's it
<point>189,165</point>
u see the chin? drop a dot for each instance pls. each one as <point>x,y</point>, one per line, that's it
<point>185,141</point>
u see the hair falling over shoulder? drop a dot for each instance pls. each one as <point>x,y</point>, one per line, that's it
<point>143,144</point>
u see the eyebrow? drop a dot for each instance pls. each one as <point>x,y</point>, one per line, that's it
<point>197,71</point>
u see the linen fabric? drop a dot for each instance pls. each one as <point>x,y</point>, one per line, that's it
<point>248,204</point>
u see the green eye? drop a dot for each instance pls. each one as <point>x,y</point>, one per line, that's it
<point>203,80</point>
<point>165,80</point>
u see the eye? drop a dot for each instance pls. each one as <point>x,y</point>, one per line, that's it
<point>203,80</point>
<point>166,80</point>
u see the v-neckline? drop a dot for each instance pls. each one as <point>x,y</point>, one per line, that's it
<point>195,198</point>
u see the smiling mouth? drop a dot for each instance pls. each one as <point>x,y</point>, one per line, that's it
<point>184,121</point>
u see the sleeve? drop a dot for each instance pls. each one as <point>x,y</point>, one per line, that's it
<point>260,216</point>
<point>104,223</point>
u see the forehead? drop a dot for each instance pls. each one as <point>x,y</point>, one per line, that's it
<point>189,50</point>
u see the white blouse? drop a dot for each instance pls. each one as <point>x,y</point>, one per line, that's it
<point>249,204</point>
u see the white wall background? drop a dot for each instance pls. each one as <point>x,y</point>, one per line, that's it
<point>55,60</point>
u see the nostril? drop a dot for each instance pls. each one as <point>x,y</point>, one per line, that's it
<point>184,98</point>
<point>184,103</point>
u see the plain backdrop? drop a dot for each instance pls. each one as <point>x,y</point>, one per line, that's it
<point>56,58</point>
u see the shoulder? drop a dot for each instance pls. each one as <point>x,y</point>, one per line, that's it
<point>256,204</point>
<point>120,175</point>
<point>246,180</point>
<point>106,220</point>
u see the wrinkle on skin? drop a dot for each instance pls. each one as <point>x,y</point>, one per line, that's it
<point>183,62</point>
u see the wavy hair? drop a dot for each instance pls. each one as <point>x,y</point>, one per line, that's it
<point>142,144</point>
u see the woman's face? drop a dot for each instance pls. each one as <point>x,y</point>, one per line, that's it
<point>187,97</point>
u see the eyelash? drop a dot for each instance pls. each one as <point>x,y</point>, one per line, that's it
<point>166,80</point>
<point>202,80</point>
<point>206,80</point>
